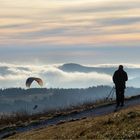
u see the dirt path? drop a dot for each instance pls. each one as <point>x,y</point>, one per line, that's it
<point>98,111</point>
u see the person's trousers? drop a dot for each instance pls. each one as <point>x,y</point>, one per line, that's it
<point>119,96</point>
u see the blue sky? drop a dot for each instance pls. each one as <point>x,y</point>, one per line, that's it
<point>61,31</point>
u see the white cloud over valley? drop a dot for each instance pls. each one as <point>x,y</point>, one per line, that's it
<point>53,76</point>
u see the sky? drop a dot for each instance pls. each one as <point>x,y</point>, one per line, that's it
<point>38,34</point>
<point>61,31</point>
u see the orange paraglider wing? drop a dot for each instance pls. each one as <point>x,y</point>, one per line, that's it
<point>31,79</point>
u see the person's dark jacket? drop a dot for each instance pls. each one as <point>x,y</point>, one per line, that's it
<point>119,78</point>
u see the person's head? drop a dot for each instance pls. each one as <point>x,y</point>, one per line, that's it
<point>120,67</point>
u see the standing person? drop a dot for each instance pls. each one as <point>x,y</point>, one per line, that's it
<point>119,78</point>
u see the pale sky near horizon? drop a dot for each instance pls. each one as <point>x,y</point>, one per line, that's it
<point>61,31</point>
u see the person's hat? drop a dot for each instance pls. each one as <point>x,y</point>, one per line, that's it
<point>120,67</point>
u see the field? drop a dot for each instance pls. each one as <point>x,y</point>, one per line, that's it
<point>124,124</point>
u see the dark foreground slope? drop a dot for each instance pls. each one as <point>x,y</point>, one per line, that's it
<point>122,124</point>
<point>99,110</point>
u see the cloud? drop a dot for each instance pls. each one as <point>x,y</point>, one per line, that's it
<point>65,20</point>
<point>15,76</point>
<point>119,21</point>
<point>59,78</point>
<point>102,7</point>
<point>58,28</point>
<point>51,75</point>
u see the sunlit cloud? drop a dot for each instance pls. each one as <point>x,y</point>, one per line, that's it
<point>51,74</point>
<point>12,75</point>
<point>68,24</point>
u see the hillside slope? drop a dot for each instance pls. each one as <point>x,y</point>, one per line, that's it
<point>122,124</point>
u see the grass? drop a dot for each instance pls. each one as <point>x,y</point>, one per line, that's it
<point>124,124</point>
<point>23,117</point>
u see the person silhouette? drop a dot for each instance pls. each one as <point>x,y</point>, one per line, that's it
<point>119,78</point>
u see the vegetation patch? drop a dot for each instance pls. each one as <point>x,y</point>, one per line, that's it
<point>124,124</point>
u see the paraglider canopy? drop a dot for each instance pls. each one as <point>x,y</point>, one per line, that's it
<point>31,79</point>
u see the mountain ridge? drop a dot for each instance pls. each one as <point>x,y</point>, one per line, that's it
<point>74,67</point>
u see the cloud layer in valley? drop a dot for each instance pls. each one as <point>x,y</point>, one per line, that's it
<point>16,75</point>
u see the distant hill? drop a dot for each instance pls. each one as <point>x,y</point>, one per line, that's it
<point>133,73</point>
<point>14,99</point>
<point>72,67</point>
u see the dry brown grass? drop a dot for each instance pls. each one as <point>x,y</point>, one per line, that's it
<point>124,124</point>
<point>22,117</point>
